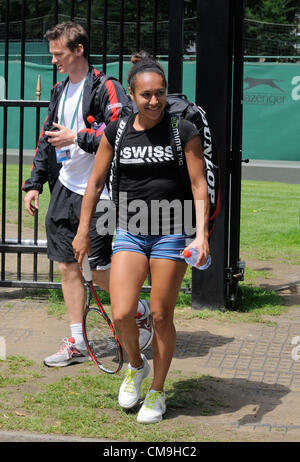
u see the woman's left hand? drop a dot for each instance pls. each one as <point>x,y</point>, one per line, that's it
<point>203,248</point>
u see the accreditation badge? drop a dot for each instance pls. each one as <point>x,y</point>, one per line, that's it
<point>62,155</point>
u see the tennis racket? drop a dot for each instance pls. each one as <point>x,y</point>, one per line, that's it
<point>98,330</point>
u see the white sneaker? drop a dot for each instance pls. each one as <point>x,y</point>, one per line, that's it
<point>144,324</point>
<point>153,408</point>
<point>129,393</point>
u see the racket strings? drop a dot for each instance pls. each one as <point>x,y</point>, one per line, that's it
<point>101,340</point>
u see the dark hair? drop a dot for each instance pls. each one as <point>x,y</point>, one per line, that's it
<point>143,62</point>
<point>74,33</point>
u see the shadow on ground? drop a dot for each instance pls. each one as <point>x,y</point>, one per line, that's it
<point>210,396</point>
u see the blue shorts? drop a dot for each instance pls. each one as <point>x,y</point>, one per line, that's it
<point>168,247</point>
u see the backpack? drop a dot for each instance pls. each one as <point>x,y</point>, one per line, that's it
<point>126,109</point>
<point>179,107</point>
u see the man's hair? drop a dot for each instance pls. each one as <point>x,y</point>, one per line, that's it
<point>143,62</point>
<point>74,33</point>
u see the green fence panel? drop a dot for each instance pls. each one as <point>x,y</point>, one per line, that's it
<point>14,81</point>
<point>271,115</point>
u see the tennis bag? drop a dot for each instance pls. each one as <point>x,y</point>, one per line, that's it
<point>179,107</point>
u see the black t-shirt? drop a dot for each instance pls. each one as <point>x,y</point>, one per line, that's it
<point>150,188</point>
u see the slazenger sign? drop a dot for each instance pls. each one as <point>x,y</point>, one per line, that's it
<point>275,94</point>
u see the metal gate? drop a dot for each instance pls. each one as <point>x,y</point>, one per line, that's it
<point>223,106</point>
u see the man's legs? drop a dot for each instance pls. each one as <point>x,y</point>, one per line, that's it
<point>61,225</point>
<point>73,349</point>
<point>75,296</point>
<point>73,291</point>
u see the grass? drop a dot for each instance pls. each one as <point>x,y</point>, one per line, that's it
<point>256,314</point>
<point>254,305</point>
<point>13,191</point>
<point>85,404</point>
<point>270,222</point>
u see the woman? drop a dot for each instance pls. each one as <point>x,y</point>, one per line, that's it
<point>147,174</point>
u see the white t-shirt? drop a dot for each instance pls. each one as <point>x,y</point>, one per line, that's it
<point>75,171</point>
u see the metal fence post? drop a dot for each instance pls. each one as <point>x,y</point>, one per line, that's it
<point>213,93</point>
<point>235,269</point>
<point>175,46</point>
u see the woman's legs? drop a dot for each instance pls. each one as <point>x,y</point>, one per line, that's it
<point>166,279</point>
<point>128,273</point>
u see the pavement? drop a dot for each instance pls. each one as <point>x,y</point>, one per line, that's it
<point>272,170</point>
<point>253,367</point>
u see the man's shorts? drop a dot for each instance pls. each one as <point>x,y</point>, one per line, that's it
<point>167,247</point>
<point>62,221</point>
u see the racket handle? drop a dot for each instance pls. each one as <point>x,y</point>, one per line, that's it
<point>86,270</point>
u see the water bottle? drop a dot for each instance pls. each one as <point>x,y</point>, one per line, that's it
<point>191,256</point>
<point>99,127</point>
<point>95,125</point>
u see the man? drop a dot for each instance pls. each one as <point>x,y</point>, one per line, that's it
<point>64,157</point>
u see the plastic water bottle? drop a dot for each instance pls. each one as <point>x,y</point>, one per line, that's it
<point>95,125</point>
<point>191,256</point>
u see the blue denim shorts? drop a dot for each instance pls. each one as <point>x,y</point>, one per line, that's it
<point>168,247</point>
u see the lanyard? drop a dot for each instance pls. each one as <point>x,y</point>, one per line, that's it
<point>77,105</point>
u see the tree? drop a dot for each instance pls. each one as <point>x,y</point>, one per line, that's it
<point>39,16</point>
<point>276,11</point>
<point>272,27</point>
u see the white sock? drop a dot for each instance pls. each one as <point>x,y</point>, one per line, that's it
<point>76,333</point>
<point>141,309</point>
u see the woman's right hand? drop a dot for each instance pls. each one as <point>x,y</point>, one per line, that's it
<point>81,245</point>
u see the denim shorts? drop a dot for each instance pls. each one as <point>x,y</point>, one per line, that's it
<point>168,247</point>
